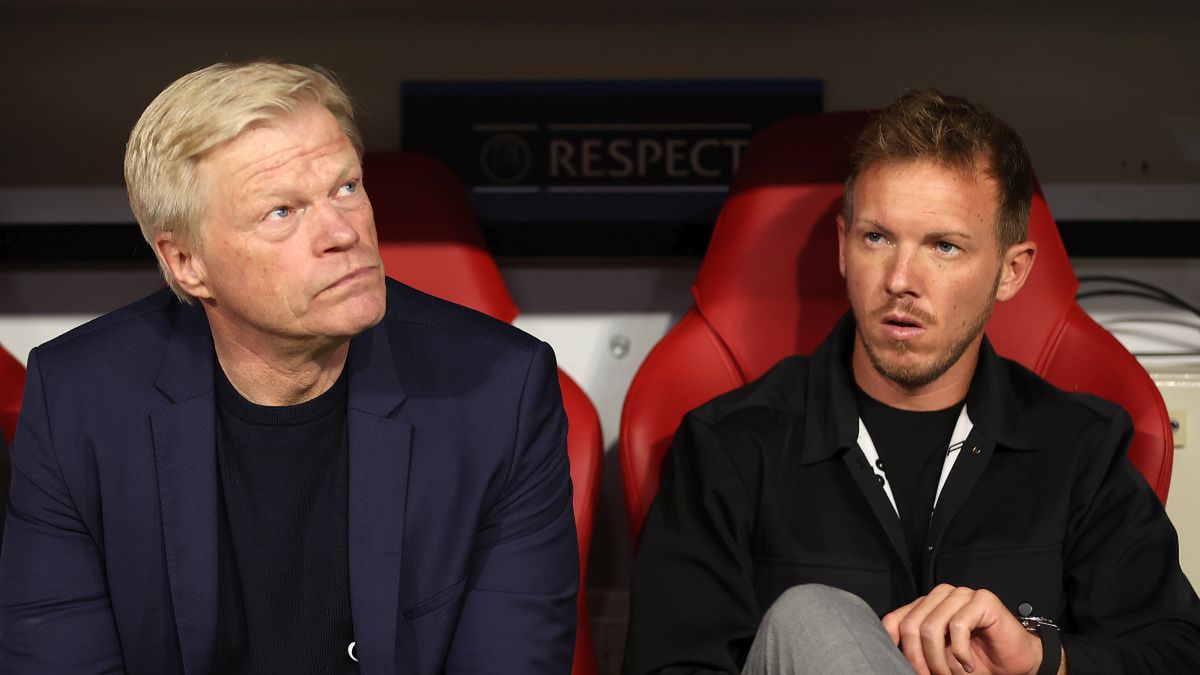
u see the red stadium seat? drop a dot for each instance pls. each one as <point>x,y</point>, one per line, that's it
<point>769,287</point>
<point>12,388</point>
<point>429,239</point>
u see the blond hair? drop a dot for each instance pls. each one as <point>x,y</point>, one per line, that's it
<point>199,112</point>
<point>957,133</point>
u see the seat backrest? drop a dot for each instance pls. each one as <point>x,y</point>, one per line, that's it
<point>770,287</point>
<point>430,240</point>
<point>428,236</point>
<point>12,388</point>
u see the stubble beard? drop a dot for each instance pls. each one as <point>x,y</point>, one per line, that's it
<point>919,375</point>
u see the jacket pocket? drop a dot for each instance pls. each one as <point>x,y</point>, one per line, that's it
<point>1017,574</point>
<point>437,600</point>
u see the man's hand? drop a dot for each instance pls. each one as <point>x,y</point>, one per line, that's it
<point>960,630</point>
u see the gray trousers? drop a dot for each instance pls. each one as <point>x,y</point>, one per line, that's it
<point>819,629</point>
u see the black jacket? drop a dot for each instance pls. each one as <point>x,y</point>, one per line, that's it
<point>765,488</point>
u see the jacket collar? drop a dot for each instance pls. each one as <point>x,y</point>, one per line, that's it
<point>375,386</point>
<point>830,411</point>
<point>187,366</point>
<point>831,421</point>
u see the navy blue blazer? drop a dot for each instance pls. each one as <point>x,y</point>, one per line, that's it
<point>462,547</point>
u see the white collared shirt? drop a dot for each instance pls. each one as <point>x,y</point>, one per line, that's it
<point>962,429</point>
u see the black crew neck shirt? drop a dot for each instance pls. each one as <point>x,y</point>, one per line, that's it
<point>283,569</point>
<point>912,445</point>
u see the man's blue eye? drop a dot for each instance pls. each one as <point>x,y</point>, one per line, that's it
<point>874,237</point>
<point>946,247</point>
<point>280,212</point>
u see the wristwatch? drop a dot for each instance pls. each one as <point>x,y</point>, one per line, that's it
<point>1047,631</point>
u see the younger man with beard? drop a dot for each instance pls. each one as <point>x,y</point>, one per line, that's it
<point>905,471</point>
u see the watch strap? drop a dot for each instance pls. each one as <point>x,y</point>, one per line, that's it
<point>1047,632</point>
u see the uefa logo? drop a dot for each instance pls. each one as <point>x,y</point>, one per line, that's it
<point>505,159</point>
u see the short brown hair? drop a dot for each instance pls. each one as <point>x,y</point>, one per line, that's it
<point>927,124</point>
<point>200,111</point>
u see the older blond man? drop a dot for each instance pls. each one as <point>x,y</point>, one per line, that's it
<point>287,462</point>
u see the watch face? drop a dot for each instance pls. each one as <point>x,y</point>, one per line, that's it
<point>1033,623</point>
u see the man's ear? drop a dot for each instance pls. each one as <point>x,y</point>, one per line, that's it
<point>841,229</point>
<point>184,266</point>
<point>1015,267</point>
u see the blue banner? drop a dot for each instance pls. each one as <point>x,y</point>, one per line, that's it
<point>596,153</point>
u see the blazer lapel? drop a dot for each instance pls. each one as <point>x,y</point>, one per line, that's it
<point>379,464</point>
<point>184,433</point>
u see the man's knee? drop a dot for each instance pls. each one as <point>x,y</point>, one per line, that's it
<point>813,602</point>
